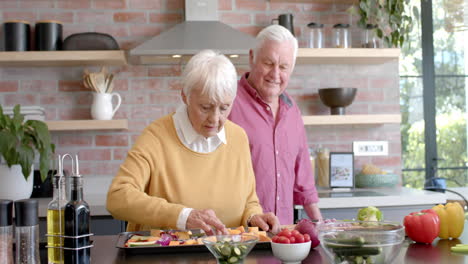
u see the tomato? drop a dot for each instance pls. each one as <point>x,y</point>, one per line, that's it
<point>306,237</point>
<point>292,240</point>
<point>299,238</point>
<point>285,232</point>
<point>283,240</point>
<point>275,239</point>
<point>294,232</point>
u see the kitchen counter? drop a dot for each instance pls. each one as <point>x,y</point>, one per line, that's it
<point>105,251</point>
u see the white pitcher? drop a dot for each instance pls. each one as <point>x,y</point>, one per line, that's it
<point>102,109</point>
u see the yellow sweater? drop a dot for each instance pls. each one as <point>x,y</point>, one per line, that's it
<point>160,176</point>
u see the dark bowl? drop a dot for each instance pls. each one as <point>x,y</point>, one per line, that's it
<point>337,98</point>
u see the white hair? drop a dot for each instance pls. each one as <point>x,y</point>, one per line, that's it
<point>213,73</point>
<point>274,33</point>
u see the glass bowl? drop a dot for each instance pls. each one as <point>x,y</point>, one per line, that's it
<point>361,242</point>
<point>230,248</point>
<point>291,253</point>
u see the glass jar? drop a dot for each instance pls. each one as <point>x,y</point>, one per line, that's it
<point>6,231</point>
<point>27,232</point>
<point>341,36</point>
<point>315,35</point>
<point>369,37</point>
<point>323,163</point>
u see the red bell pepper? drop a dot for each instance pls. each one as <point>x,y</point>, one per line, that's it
<point>422,227</point>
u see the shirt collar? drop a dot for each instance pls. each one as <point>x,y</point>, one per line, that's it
<point>188,132</point>
<point>284,97</point>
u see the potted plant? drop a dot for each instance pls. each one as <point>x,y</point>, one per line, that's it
<point>20,142</point>
<point>389,19</point>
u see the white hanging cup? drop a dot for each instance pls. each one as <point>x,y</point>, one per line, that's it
<point>102,109</point>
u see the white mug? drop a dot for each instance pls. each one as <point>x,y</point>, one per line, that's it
<point>102,109</point>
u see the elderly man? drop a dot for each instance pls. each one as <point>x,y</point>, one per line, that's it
<point>274,125</point>
<point>192,169</point>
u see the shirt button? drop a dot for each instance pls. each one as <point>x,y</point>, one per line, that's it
<point>277,198</point>
<point>276,152</point>
<point>278,175</point>
<point>267,108</point>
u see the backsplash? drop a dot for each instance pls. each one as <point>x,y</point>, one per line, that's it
<point>150,92</point>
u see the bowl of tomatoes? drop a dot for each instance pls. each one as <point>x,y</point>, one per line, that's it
<point>290,246</point>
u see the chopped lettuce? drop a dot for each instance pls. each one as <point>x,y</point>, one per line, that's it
<point>370,213</point>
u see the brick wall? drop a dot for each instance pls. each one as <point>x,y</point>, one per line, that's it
<point>150,92</point>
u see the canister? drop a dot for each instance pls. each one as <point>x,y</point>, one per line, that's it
<point>315,35</point>
<point>6,231</point>
<point>27,232</point>
<point>16,35</point>
<point>48,35</point>
<point>341,36</point>
<point>368,37</point>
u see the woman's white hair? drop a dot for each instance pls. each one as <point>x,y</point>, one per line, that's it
<point>274,33</point>
<point>213,73</point>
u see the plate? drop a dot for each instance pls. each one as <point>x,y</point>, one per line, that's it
<point>124,236</point>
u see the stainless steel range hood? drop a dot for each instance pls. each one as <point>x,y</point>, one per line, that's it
<point>201,30</point>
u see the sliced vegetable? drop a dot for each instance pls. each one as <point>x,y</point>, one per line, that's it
<point>460,248</point>
<point>422,227</point>
<point>452,220</point>
<point>165,240</point>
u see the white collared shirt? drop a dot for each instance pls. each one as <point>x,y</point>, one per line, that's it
<point>196,142</point>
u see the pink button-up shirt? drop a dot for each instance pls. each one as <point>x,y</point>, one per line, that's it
<point>280,155</point>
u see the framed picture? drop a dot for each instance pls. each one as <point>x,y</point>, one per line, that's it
<point>341,170</point>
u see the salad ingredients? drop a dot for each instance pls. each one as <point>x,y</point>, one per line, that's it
<point>229,253</point>
<point>370,213</point>
<point>422,227</point>
<point>460,248</point>
<point>452,220</point>
<point>287,236</point>
<point>305,226</point>
<point>351,249</point>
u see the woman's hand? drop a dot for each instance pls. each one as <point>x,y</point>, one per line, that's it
<point>266,222</point>
<point>207,221</point>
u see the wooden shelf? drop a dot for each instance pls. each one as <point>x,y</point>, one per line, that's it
<point>62,58</point>
<point>346,56</point>
<point>73,125</point>
<point>323,120</point>
<point>316,1</point>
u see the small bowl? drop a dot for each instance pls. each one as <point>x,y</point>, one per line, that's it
<point>230,248</point>
<point>351,242</point>
<point>291,253</point>
<point>337,98</point>
<point>376,180</point>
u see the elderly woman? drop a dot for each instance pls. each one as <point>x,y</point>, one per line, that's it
<point>192,169</point>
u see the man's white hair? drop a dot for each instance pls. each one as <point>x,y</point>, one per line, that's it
<point>213,73</point>
<point>274,33</point>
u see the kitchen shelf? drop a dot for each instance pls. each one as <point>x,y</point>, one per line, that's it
<point>62,58</point>
<point>346,56</point>
<point>322,120</point>
<point>316,1</point>
<point>73,125</point>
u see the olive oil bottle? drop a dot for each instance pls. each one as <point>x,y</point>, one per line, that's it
<point>55,218</point>
<point>77,220</point>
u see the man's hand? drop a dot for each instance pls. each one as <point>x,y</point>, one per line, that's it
<point>207,221</point>
<point>266,222</point>
<point>313,212</point>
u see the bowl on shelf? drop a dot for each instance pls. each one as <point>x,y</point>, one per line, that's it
<point>230,248</point>
<point>361,242</point>
<point>337,98</point>
<point>291,253</point>
<point>376,180</point>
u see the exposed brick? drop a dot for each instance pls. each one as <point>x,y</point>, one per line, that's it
<point>22,99</point>
<point>71,86</point>
<point>8,4</point>
<point>38,86</point>
<point>136,126</point>
<point>130,17</point>
<point>74,113</point>
<point>145,30</point>
<point>165,71</point>
<point>172,5</point>
<point>146,4</point>
<point>316,7</point>
<point>120,85</point>
<point>110,4</point>
<point>334,18</point>
<point>8,86</point>
<point>165,98</point>
<point>364,95</point>
<point>94,154</point>
<point>386,161</point>
<point>75,140</point>
<point>31,17</point>
<point>36,4</point>
<point>113,30</point>
<point>132,71</point>
<point>111,140</point>
<point>73,4</point>
<point>264,19</point>
<point>73,29</point>
<point>175,85</point>
<point>252,5</point>
<point>146,112</point>
<point>224,5</point>
<point>119,154</point>
<point>57,99</point>
<point>106,168</point>
<point>283,7</point>
<point>144,85</point>
<point>131,98</point>
<point>64,17</point>
<point>236,18</point>
<point>166,18</point>
<point>251,30</point>
<point>83,98</point>
<point>122,112</point>
<point>87,17</point>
